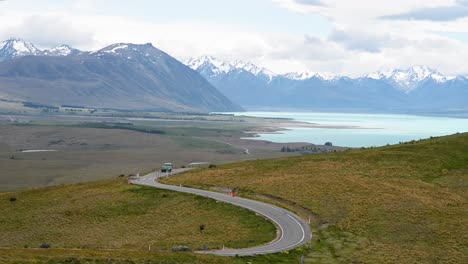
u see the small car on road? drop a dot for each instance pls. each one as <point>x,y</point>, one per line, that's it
<point>167,167</point>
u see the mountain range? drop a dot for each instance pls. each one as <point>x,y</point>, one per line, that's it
<point>142,77</point>
<point>418,88</point>
<point>120,76</point>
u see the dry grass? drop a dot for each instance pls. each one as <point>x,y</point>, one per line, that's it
<point>115,215</point>
<point>397,204</point>
<point>73,256</point>
<point>89,154</point>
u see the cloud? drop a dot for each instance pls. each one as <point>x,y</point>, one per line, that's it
<point>302,6</point>
<point>355,42</point>
<point>48,31</point>
<point>309,2</point>
<point>307,48</point>
<point>361,41</point>
<point>443,13</point>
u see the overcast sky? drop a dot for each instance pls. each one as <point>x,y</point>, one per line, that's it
<point>347,37</point>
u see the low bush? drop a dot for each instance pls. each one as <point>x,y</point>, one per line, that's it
<point>44,245</point>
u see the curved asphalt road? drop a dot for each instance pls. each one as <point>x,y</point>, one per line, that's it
<point>293,231</point>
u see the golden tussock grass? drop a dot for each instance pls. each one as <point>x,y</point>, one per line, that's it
<point>399,204</point>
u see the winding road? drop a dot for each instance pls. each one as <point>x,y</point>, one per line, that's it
<point>293,231</point>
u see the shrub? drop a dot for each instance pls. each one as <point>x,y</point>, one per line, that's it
<point>202,228</point>
<point>212,166</point>
<point>44,245</point>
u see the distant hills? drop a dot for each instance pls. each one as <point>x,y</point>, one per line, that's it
<point>415,89</point>
<point>120,76</point>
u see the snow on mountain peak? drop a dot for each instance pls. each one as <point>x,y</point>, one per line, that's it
<point>12,48</point>
<point>217,66</point>
<point>408,79</point>
<point>130,51</point>
<point>111,49</point>
<point>114,48</point>
<point>62,50</point>
<point>304,75</point>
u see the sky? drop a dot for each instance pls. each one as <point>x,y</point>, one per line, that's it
<point>343,37</point>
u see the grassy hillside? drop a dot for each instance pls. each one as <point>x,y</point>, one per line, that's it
<point>396,204</point>
<point>114,220</point>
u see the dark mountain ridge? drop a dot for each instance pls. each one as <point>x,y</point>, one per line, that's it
<point>120,76</point>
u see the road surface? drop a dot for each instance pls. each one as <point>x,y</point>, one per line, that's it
<point>293,231</point>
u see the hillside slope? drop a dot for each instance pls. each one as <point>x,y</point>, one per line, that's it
<point>120,76</point>
<point>398,204</point>
<point>120,223</point>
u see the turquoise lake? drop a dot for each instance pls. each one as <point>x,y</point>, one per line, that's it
<point>367,129</point>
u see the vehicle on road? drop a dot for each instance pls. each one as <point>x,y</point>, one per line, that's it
<point>167,167</point>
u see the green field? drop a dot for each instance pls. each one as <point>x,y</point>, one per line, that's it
<point>397,204</point>
<point>112,215</point>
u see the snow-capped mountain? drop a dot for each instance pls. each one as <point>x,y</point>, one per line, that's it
<point>246,84</point>
<point>209,63</point>
<point>132,52</point>
<point>13,48</point>
<point>304,75</point>
<point>254,69</point>
<point>215,67</point>
<point>115,49</point>
<point>62,50</point>
<point>409,79</point>
<point>418,87</point>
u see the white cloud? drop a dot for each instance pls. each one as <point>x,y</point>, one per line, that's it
<point>47,31</point>
<point>457,10</point>
<point>371,43</point>
<point>360,42</point>
<point>85,5</point>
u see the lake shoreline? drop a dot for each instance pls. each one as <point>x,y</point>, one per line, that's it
<point>352,130</point>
